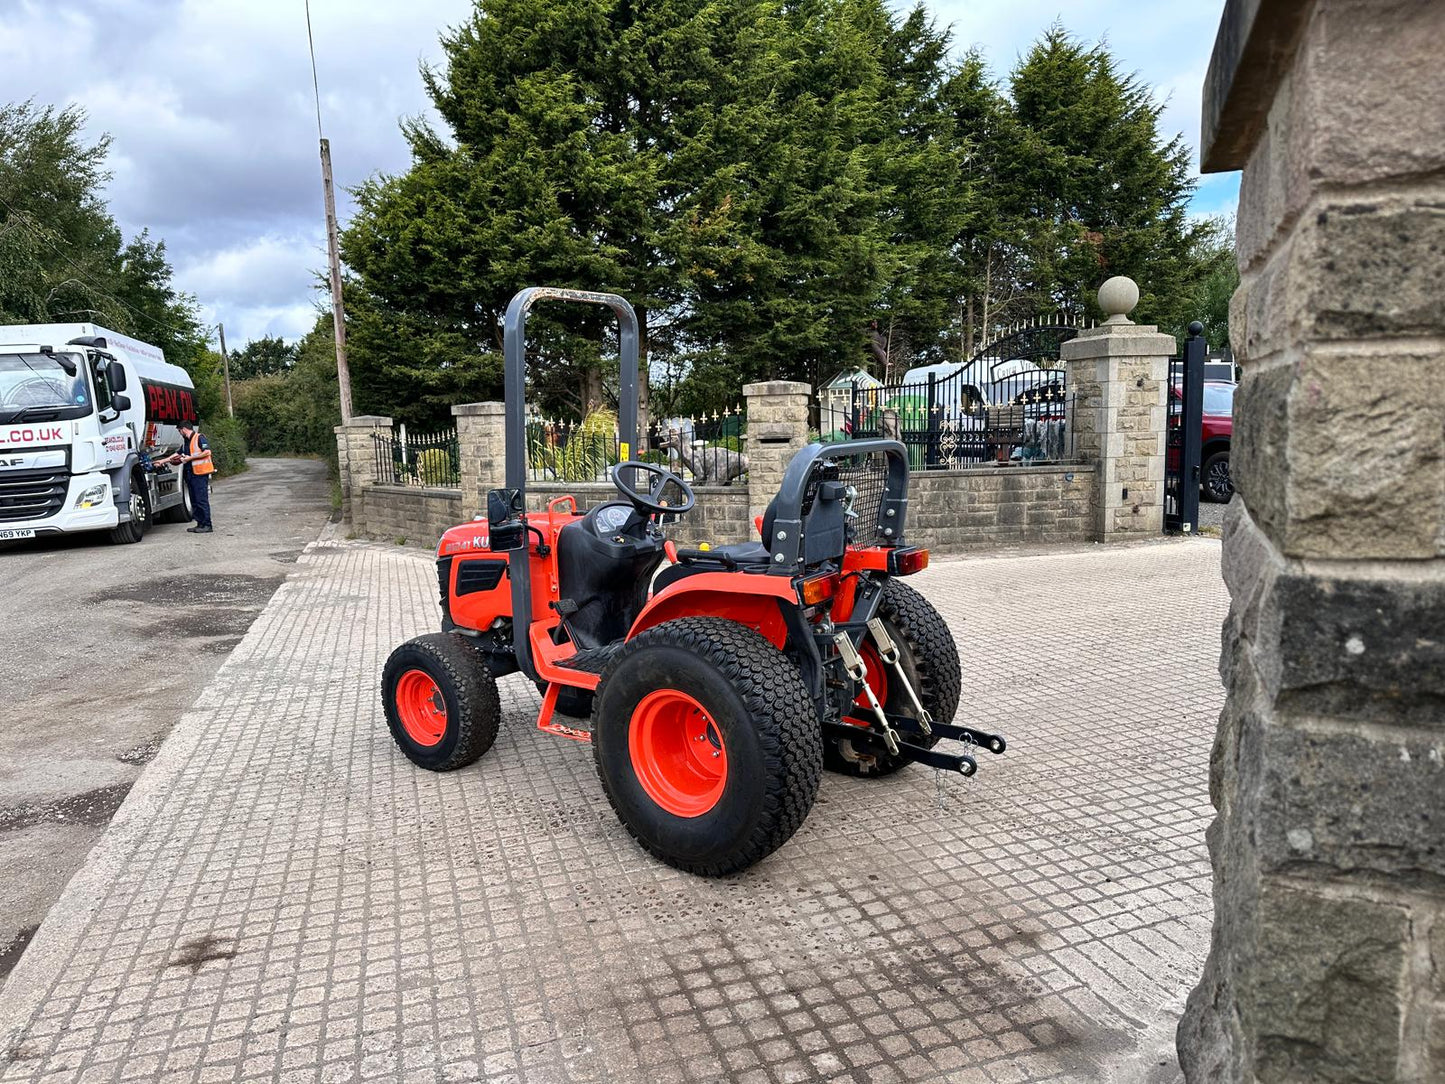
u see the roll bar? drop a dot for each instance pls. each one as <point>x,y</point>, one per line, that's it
<point>514,352</point>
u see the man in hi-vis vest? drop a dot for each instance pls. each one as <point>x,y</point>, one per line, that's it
<point>195,453</point>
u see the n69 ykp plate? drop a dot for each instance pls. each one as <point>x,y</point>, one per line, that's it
<point>11,534</point>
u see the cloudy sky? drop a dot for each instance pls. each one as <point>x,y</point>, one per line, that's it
<point>210,107</point>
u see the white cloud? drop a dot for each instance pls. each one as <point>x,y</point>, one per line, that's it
<point>210,106</point>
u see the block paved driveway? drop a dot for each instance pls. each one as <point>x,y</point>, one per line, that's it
<point>283,896</point>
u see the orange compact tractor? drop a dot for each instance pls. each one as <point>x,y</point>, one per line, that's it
<point>717,689</point>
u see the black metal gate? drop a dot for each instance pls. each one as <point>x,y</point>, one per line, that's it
<point>1184,434</point>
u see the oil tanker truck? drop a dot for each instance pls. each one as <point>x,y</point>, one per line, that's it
<point>86,418</point>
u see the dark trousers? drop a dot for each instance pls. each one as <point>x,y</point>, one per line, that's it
<point>200,487</point>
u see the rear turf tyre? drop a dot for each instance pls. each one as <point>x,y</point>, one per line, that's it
<point>929,658</point>
<point>441,702</point>
<point>134,529</point>
<point>707,744</point>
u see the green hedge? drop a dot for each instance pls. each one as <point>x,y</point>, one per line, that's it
<point>228,444</point>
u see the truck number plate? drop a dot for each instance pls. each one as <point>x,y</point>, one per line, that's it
<point>10,534</point>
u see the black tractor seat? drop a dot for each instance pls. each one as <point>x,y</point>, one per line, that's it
<point>738,557</point>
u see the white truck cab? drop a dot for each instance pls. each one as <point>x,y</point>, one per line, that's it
<point>86,415</point>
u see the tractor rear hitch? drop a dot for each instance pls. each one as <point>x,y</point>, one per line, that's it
<point>994,743</point>
<point>961,763</point>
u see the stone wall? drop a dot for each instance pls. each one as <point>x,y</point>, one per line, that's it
<point>953,511</point>
<point>719,517</point>
<point>1328,772</point>
<point>409,514</point>
<point>950,511</point>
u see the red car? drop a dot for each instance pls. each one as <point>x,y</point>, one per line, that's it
<point>1217,428</point>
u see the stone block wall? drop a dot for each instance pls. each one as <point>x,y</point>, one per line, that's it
<point>1328,771</point>
<point>409,514</point>
<point>1119,376</point>
<point>720,515</point>
<point>955,511</point>
<point>777,430</point>
<point>950,511</point>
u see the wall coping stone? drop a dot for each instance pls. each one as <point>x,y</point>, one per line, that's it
<point>778,387</point>
<point>1253,50</point>
<point>608,487</point>
<point>470,409</point>
<point>989,472</point>
<point>417,491</point>
<point>1119,341</point>
<point>364,421</point>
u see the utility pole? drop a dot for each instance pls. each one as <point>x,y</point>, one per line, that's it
<point>338,314</point>
<point>226,367</point>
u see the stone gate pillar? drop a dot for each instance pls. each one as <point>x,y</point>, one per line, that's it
<point>1118,374</point>
<point>356,459</point>
<point>1328,771</point>
<point>777,429</point>
<point>482,447</point>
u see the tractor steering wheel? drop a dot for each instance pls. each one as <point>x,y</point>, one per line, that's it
<point>653,502</point>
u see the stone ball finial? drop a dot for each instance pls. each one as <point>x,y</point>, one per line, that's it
<point>1117,297</point>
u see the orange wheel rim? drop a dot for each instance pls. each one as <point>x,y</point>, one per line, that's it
<point>877,677</point>
<point>421,708</point>
<point>678,753</point>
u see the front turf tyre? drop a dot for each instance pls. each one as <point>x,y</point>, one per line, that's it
<point>930,659</point>
<point>707,744</point>
<point>134,529</point>
<point>441,703</point>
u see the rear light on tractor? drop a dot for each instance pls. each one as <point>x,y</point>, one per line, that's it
<point>906,561</point>
<point>818,589</point>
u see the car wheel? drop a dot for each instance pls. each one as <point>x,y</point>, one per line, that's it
<point>1216,484</point>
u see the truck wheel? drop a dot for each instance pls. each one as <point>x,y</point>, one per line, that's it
<point>181,511</point>
<point>707,744</point>
<point>140,515</point>
<point>930,659</point>
<point>441,704</point>
<point>1217,486</point>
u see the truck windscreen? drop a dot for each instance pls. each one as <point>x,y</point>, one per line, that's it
<point>36,386</point>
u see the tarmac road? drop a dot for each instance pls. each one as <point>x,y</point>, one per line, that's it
<point>103,647</point>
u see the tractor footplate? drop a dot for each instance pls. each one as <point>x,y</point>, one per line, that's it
<point>961,763</point>
<point>590,660</point>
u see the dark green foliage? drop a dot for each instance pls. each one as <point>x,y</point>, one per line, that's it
<point>784,188</point>
<point>1216,280</point>
<point>267,356</point>
<point>295,412</point>
<point>63,258</point>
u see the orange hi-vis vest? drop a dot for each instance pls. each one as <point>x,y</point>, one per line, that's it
<point>202,463</point>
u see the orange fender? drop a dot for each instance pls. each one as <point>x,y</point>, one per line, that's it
<point>751,599</point>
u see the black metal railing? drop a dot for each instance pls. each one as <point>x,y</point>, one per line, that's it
<point>1183,435</point>
<point>431,460</point>
<point>704,450</point>
<point>955,421</point>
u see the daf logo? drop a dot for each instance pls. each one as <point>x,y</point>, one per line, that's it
<point>17,461</point>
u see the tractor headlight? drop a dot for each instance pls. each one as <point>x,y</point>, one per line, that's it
<point>93,497</point>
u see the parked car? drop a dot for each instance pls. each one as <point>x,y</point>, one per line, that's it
<point>1217,429</point>
<point>1218,426</point>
